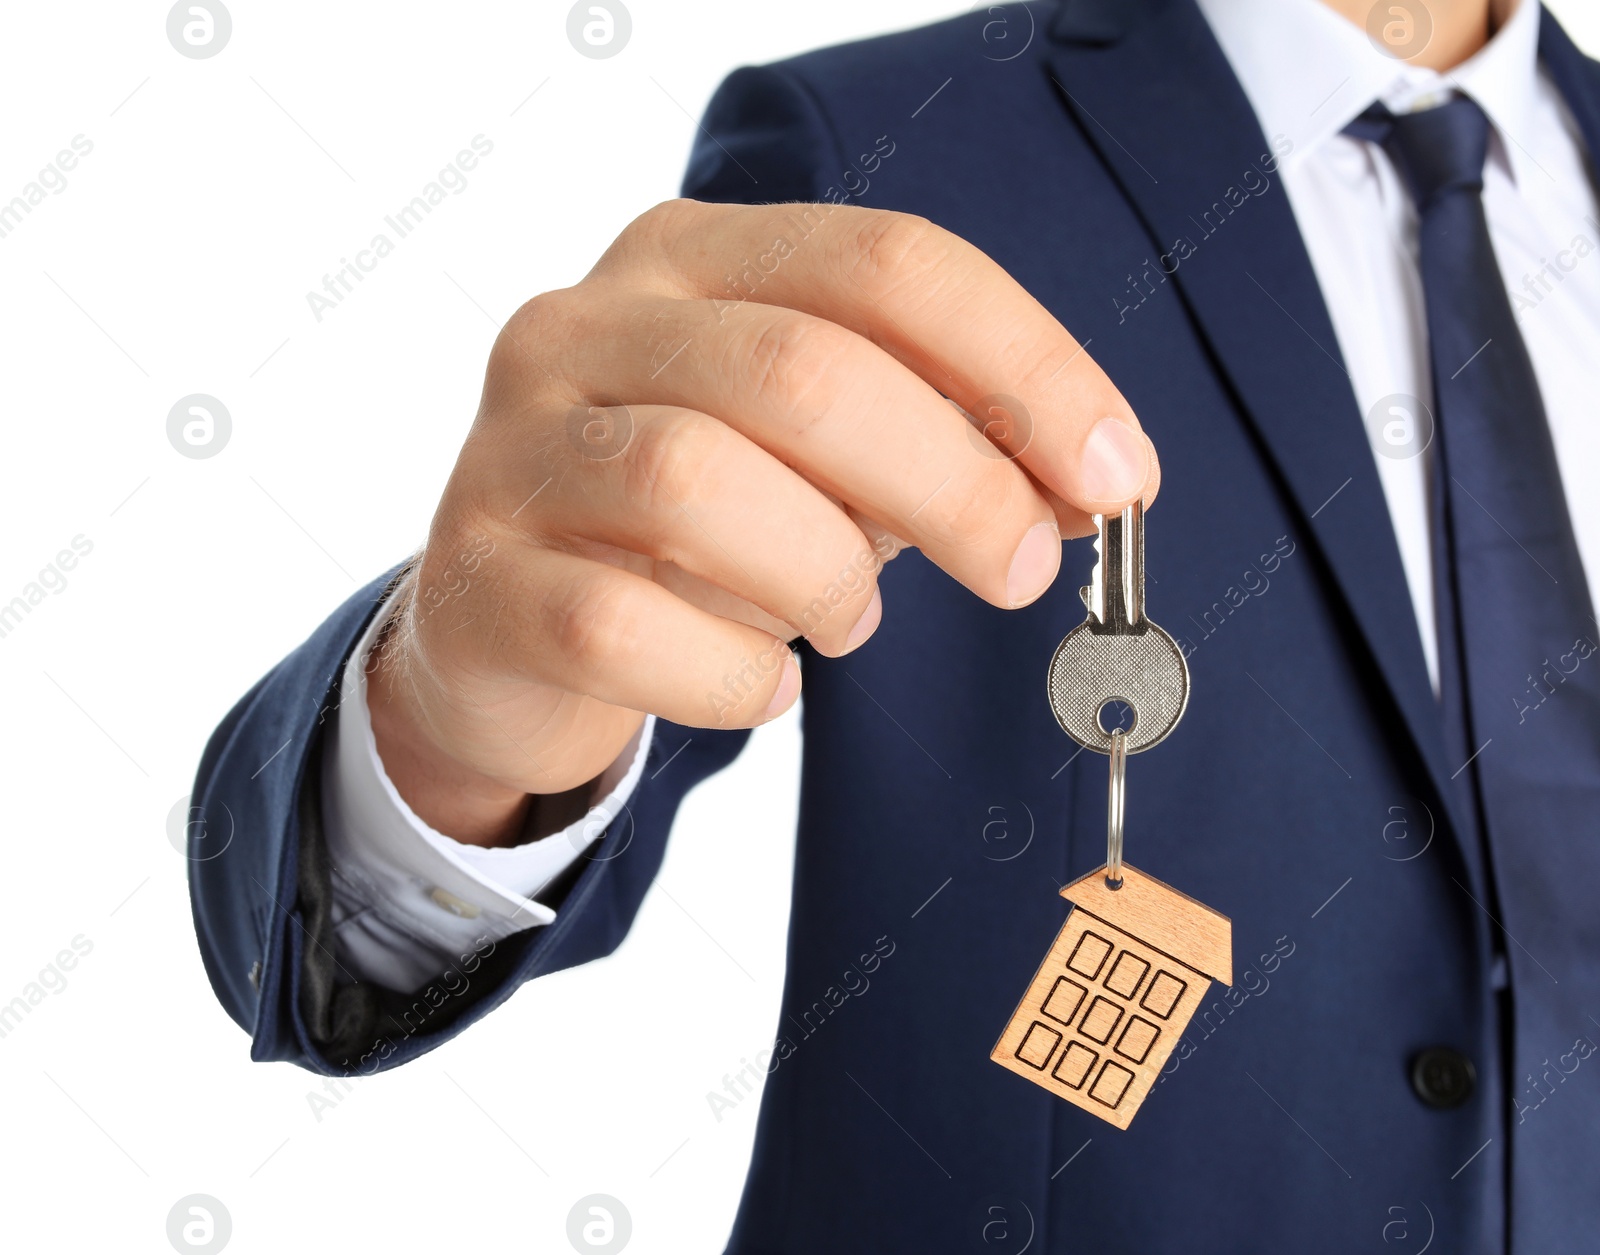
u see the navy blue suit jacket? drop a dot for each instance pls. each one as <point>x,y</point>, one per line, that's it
<point>1105,155</point>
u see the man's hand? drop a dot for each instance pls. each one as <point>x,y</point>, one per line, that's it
<point>707,448</point>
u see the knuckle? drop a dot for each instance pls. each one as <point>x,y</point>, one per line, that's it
<point>975,508</point>
<point>539,327</point>
<point>887,248</point>
<point>671,218</point>
<point>783,358</point>
<point>670,460</point>
<point>650,236</point>
<point>595,622</point>
<point>540,314</point>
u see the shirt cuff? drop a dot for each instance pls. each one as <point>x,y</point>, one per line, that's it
<point>406,898</point>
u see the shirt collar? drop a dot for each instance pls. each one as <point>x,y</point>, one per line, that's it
<point>1307,71</point>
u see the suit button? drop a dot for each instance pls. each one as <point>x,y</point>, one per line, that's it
<point>1442,1077</point>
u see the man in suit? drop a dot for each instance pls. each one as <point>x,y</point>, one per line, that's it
<point>1337,265</point>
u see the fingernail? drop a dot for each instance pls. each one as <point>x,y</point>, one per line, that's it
<point>788,690</point>
<point>1034,565</point>
<point>867,624</point>
<point>1115,462</point>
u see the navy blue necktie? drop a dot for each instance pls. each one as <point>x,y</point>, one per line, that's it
<point>1519,669</point>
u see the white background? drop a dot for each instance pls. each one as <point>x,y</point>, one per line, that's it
<point>177,260</point>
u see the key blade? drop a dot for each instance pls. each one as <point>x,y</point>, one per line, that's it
<point>1117,584</point>
<point>1133,562</point>
<point>1094,593</point>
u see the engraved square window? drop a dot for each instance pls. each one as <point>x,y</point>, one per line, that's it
<point>1137,1039</point>
<point>1100,1020</point>
<point>1064,1000</point>
<point>1163,994</point>
<point>1038,1044</point>
<point>1127,974</point>
<point>1075,1064</point>
<point>1111,1084</point>
<point>1089,956</point>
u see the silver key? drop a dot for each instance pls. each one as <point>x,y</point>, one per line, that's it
<point>1117,654</point>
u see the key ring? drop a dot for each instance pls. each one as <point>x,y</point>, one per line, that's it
<point>1116,805</point>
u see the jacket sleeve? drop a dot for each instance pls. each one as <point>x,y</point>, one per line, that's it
<point>764,139</point>
<point>259,883</point>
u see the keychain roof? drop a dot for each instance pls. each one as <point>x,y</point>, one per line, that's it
<point>1162,917</point>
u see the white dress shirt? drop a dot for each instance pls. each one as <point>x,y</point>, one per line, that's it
<point>1308,72</point>
<point>408,899</point>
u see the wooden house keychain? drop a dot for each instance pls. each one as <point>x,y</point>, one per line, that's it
<point>1135,957</point>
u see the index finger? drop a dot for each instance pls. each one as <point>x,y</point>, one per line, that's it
<point>949,312</point>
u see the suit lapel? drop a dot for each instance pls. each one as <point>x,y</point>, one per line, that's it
<point>1576,77</point>
<point>1180,143</point>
